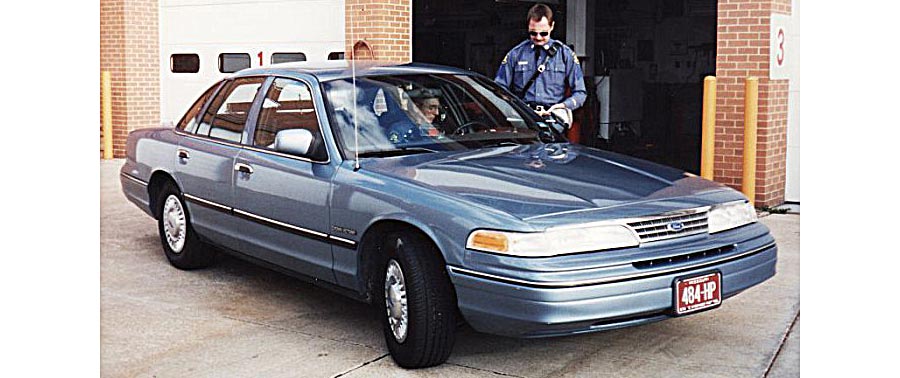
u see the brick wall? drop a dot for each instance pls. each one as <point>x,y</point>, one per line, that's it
<point>743,50</point>
<point>112,55</point>
<point>129,49</point>
<point>384,26</point>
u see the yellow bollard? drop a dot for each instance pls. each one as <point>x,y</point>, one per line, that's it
<point>708,139</point>
<point>105,96</point>
<point>751,99</point>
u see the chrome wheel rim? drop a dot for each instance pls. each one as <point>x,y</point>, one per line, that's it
<point>395,300</point>
<point>174,223</point>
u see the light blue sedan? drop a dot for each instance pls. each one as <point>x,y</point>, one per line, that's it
<point>438,196</point>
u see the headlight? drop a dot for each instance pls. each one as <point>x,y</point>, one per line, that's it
<point>730,215</point>
<point>554,241</point>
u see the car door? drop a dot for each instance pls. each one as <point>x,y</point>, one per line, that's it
<point>206,159</point>
<point>283,197</point>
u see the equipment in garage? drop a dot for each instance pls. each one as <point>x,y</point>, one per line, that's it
<point>617,113</point>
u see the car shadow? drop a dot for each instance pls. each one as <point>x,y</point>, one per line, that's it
<point>267,297</point>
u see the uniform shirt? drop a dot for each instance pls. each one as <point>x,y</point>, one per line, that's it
<point>549,88</point>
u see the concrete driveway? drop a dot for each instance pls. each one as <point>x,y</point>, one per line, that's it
<point>239,320</point>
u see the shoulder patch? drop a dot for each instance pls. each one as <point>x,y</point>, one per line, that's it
<point>505,58</point>
<point>569,49</point>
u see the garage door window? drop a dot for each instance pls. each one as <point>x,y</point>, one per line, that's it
<point>288,57</point>
<point>233,62</point>
<point>184,63</point>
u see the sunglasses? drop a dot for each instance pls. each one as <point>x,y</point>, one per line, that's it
<point>535,34</point>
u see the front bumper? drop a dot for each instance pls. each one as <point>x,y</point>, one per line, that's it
<point>517,307</point>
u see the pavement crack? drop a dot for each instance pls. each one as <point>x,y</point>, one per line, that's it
<point>781,344</point>
<point>361,365</point>
<point>485,370</point>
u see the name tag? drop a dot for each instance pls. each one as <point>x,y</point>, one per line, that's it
<point>523,62</point>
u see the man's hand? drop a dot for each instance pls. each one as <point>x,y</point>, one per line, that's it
<point>546,112</point>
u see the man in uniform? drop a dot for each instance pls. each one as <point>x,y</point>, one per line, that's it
<point>539,69</point>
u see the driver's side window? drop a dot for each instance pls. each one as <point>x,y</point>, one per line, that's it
<point>289,106</point>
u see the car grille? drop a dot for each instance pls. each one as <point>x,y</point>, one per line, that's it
<point>657,228</point>
<point>675,260</point>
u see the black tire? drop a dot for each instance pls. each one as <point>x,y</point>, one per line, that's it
<point>191,253</point>
<point>431,304</point>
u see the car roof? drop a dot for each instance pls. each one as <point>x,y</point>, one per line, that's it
<point>343,69</point>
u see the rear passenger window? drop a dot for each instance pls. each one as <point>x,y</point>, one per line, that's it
<point>189,122</point>
<point>336,56</point>
<point>287,106</point>
<point>288,57</point>
<point>233,62</point>
<point>184,63</point>
<point>227,114</point>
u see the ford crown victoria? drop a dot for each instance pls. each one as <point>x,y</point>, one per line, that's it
<point>436,195</point>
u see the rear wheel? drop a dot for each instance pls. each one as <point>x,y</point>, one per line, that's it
<point>419,317</point>
<point>182,247</point>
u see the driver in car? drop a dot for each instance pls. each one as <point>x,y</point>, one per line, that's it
<point>425,116</point>
<point>430,107</point>
<point>429,103</point>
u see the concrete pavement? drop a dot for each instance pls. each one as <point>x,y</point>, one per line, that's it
<point>238,320</point>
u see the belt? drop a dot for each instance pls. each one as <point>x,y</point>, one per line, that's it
<point>535,105</point>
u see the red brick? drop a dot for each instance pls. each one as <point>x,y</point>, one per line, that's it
<point>385,27</point>
<point>129,51</point>
<point>747,30</point>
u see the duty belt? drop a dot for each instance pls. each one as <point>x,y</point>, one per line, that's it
<point>538,107</point>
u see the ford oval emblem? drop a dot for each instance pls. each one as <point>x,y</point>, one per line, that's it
<point>676,226</point>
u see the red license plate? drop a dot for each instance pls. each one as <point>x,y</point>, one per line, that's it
<point>693,294</point>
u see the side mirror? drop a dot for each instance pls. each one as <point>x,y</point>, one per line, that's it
<point>293,141</point>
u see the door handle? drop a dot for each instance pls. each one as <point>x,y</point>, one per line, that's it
<point>183,154</point>
<point>243,168</point>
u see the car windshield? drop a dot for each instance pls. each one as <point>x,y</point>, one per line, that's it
<point>408,114</point>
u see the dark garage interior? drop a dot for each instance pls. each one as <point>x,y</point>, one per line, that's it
<point>645,67</point>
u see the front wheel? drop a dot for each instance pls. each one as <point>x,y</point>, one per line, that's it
<point>182,247</point>
<point>419,306</point>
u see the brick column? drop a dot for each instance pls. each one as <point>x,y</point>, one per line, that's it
<point>129,49</point>
<point>383,26</point>
<point>743,50</point>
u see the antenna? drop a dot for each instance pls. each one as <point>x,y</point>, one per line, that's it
<point>353,74</point>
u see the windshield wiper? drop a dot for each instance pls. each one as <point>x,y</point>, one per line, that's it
<point>398,152</point>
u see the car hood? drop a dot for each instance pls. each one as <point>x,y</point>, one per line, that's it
<point>545,180</point>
